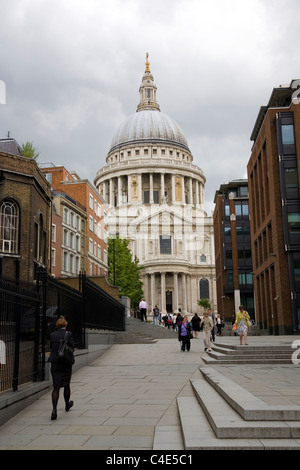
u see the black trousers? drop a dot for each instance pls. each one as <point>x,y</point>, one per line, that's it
<point>186,343</point>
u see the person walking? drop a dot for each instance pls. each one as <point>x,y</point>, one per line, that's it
<point>143,309</point>
<point>179,323</point>
<point>61,373</point>
<point>185,334</point>
<point>155,315</point>
<point>219,324</point>
<point>242,321</point>
<point>196,325</point>
<point>207,327</point>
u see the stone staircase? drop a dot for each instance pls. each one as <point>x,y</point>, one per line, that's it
<point>142,332</point>
<point>223,415</point>
<point>226,353</point>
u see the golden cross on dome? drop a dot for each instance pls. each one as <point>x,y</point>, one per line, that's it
<point>147,63</point>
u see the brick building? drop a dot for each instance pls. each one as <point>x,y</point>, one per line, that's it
<point>83,223</point>
<point>25,215</point>
<point>234,278</point>
<point>274,205</point>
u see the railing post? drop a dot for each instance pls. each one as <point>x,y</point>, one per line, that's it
<point>15,379</point>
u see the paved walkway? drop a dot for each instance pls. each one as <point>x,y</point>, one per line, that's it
<point>126,399</point>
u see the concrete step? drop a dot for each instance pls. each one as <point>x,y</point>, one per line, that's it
<point>227,423</point>
<point>214,420</point>
<point>249,406</point>
<point>223,353</point>
<point>137,331</point>
<point>197,433</point>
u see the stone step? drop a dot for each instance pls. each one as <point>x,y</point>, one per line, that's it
<point>223,353</point>
<point>230,349</point>
<point>245,403</point>
<point>241,360</point>
<point>198,434</point>
<point>228,424</point>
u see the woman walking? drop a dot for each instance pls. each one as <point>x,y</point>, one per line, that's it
<point>185,334</point>
<point>196,325</point>
<point>207,327</point>
<point>61,373</point>
<point>242,322</point>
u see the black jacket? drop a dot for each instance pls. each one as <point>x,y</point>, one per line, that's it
<point>55,338</point>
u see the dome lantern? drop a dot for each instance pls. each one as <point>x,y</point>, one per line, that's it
<point>147,90</point>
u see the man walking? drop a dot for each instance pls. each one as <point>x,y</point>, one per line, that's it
<point>143,309</point>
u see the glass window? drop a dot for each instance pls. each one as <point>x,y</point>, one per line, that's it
<point>227,231</point>
<point>165,244</point>
<point>238,209</point>
<point>291,177</point>
<point>9,227</point>
<point>204,288</point>
<point>243,191</point>
<point>146,197</point>
<point>155,197</point>
<point>287,131</point>
<point>294,222</point>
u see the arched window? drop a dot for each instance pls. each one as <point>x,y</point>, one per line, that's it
<point>9,227</point>
<point>204,288</point>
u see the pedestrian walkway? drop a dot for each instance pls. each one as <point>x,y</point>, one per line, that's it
<point>127,399</point>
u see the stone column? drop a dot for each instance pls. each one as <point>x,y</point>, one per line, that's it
<point>151,200</point>
<point>175,282</point>
<point>163,292</point>
<point>197,192</point>
<point>162,186</point>
<point>190,191</point>
<point>111,192</point>
<point>152,294</point>
<point>184,311</point>
<point>119,190</point>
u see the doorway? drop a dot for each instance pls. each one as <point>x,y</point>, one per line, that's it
<point>169,302</point>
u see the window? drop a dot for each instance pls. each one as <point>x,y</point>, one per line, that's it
<point>53,232</point>
<point>204,288</point>
<point>245,279</point>
<point>48,177</point>
<point>9,227</point>
<point>291,177</point>
<point>66,215</point>
<point>155,197</point>
<point>287,131</point>
<point>53,257</point>
<point>65,237</point>
<point>294,222</point>
<point>243,190</point>
<point>165,244</point>
<point>146,197</point>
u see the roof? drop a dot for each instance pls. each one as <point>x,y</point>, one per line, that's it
<point>10,145</point>
<point>149,127</point>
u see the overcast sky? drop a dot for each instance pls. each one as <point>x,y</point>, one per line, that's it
<point>72,71</point>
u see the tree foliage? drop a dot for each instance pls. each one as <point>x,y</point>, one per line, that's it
<point>205,304</point>
<point>29,151</point>
<point>124,271</point>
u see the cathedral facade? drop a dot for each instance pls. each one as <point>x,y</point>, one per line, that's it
<point>155,199</point>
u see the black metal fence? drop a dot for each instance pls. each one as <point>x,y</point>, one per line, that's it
<point>29,313</point>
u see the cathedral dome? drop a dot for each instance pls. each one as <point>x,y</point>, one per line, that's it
<point>149,126</point>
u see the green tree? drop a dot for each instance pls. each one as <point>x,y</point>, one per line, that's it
<point>204,303</point>
<point>29,151</point>
<point>124,271</point>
